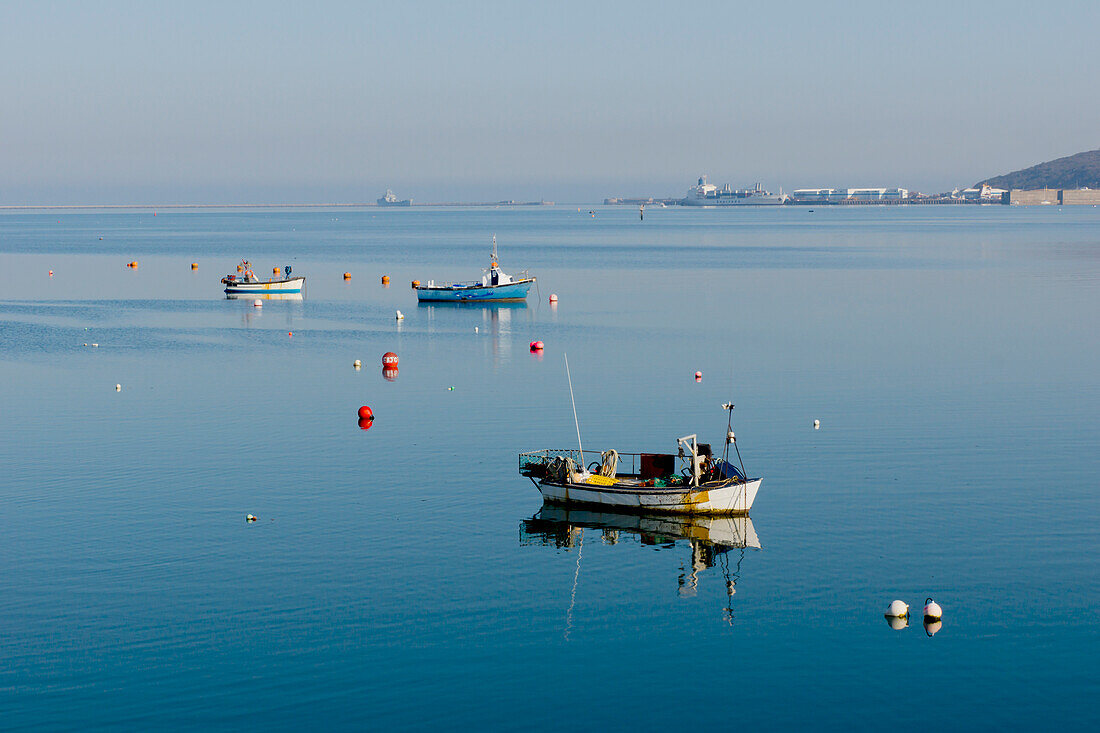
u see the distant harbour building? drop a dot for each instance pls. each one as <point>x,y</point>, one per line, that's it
<point>985,193</point>
<point>841,195</point>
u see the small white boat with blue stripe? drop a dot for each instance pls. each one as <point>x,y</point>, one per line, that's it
<point>494,286</point>
<point>245,282</point>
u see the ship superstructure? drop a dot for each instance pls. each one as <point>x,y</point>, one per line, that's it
<point>707,194</point>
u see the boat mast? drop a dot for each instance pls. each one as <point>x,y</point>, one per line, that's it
<point>580,448</point>
<point>493,257</point>
<point>731,438</point>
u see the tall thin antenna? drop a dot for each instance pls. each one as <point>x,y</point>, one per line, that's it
<point>575,421</point>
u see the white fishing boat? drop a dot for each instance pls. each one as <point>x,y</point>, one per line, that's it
<point>494,285</point>
<point>245,282</point>
<point>691,481</point>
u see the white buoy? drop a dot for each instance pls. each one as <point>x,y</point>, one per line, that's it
<point>817,424</point>
<point>118,388</point>
<point>357,363</point>
<point>250,517</point>
<point>257,303</point>
<point>932,610</point>
<point>475,329</point>
<point>400,315</point>
<point>897,609</point>
<point>95,345</point>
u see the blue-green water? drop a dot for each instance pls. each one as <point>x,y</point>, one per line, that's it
<point>950,354</point>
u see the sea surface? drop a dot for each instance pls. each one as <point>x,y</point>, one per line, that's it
<point>403,577</point>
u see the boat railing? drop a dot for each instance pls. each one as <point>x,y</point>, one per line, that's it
<point>582,459</point>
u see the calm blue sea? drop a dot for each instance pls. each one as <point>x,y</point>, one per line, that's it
<point>392,580</point>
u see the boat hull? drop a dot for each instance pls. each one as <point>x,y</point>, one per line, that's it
<point>511,292</point>
<point>291,285</point>
<point>732,498</point>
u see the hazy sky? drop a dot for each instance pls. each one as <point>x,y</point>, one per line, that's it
<point>113,102</point>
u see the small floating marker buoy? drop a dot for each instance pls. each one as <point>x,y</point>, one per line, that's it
<point>817,424</point>
<point>698,376</point>
<point>932,610</point>
<point>897,609</point>
<point>290,334</point>
<point>365,413</point>
<point>357,364</point>
<point>385,279</point>
<point>400,315</point>
<point>250,517</point>
<point>931,626</point>
<point>194,265</point>
<point>416,283</point>
<point>347,276</point>
<point>450,389</point>
<point>275,270</point>
<point>118,388</point>
<point>51,273</point>
<point>95,346</point>
<point>389,373</point>
<point>475,329</point>
<point>389,359</point>
<point>553,297</point>
<point>257,303</point>
<point>537,346</point>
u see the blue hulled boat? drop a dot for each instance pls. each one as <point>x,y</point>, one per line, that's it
<point>494,285</point>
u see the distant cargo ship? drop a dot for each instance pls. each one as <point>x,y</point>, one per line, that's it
<point>390,199</point>
<point>707,194</point>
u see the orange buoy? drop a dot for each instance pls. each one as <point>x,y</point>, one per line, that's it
<point>289,333</point>
<point>389,359</point>
<point>385,279</point>
<point>347,276</point>
<point>389,373</point>
<point>365,413</point>
<point>194,265</point>
<point>240,268</point>
<point>365,424</point>
<point>416,283</point>
<point>275,271</point>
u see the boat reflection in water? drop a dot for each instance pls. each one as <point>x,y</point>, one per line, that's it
<point>715,541</point>
<point>495,321</point>
<point>264,296</point>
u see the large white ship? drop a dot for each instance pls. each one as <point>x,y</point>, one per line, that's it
<point>707,194</point>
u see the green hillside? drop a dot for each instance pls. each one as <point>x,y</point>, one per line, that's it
<point>1075,171</point>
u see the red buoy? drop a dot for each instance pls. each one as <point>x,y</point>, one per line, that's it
<point>698,376</point>
<point>365,413</point>
<point>389,359</point>
<point>364,424</point>
<point>537,346</point>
